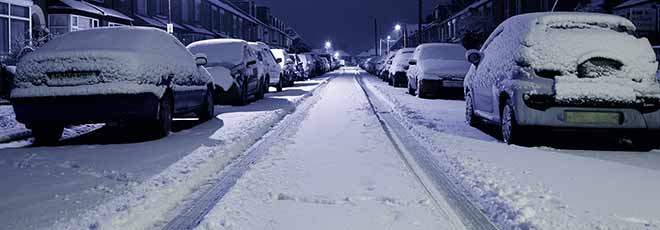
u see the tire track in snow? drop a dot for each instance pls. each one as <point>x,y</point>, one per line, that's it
<point>194,211</point>
<point>447,196</point>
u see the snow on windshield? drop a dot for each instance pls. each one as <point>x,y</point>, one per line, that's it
<point>226,52</point>
<point>443,52</point>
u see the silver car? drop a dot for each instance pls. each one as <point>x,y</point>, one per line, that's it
<point>566,71</point>
<point>436,68</point>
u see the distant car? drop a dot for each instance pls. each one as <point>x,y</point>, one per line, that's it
<point>436,68</point>
<point>287,66</point>
<point>397,73</point>
<point>300,72</point>
<point>384,72</point>
<point>141,76</point>
<point>306,65</point>
<point>233,66</point>
<point>270,67</point>
<point>567,71</point>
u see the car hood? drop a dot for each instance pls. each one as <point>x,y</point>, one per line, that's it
<point>445,67</point>
<point>221,77</point>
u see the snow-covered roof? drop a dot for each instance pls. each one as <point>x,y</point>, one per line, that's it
<point>632,3</point>
<point>79,5</point>
<point>112,13</point>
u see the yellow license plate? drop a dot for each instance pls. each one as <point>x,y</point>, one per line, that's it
<point>608,118</point>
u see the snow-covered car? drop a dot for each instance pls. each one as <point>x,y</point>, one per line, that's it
<point>270,66</point>
<point>567,71</point>
<point>436,68</point>
<point>306,67</point>
<point>396,75</point>
<point>233,67</point>
<point>299,67</point>
<point>384,72</point>
<point>136,75</point>
<point>287,66</point>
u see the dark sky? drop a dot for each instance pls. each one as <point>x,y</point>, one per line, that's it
<point>347,23</point>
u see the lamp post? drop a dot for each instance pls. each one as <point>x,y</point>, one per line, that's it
<point>402,34</point>
<point>388,43</point>
<point>170,25</point>
<point>328,45</point>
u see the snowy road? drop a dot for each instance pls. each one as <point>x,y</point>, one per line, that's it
<point>98,178</point>
<point>335,169</point>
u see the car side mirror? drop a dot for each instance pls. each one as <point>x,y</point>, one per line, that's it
<point>279,60</point>
<point>412,62</point>
<point>201,59</point>
<point>252,62</point>
<point>474,56</point>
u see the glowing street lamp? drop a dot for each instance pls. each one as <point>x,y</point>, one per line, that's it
<point>397,27</point>
<point>336,55</point>
<point>328,45</point>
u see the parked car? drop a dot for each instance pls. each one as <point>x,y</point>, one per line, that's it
<point>397,73</point>
<point>287,66</point>
<point>300,72</point>
<point>436,68</point>
<point>569,71</point>
<point>269,66</point>
<point>234,68</point>
<point>384,72</point>
<point>306,67</point>
<point>141,76</point>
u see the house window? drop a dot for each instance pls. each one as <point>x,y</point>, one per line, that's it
<point>215,15</point>
<point>15,27</point>
<point>197,7</point>
<point>185,10</point>
<point>64,23</point>
<point>141,7</point>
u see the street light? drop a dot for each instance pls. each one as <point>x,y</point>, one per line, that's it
<point>398,28</point>
<point>388,43</point>
<point>328,45</point>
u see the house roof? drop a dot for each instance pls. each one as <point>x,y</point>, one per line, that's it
<point>632,3</point>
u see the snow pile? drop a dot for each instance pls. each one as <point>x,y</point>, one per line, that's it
<point>224,52</point>
<point>566,42</point>
<point>107,60</point>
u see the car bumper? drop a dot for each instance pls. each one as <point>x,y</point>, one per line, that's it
<point>559,117</point>
<point>437,85</point>
<point>71,110</point>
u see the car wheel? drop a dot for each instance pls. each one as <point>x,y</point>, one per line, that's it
<point>470,117</point>
<point>280,85</point>
<point>420,93</point>
<point>243,95</point>
<point>512,133</point>
<point>207,110</point>
<point>47,134</point>
<point>411,91</point>
<point>260,92</point>
<point>162,125</point>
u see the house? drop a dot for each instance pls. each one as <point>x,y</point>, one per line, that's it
<point>190,20</point>
<point>644,14</point>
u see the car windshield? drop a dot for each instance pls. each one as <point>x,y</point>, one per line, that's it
<point>443,53</point>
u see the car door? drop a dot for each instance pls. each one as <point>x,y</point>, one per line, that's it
<point>485,75</point>
<point>414,70</point>
<point>252,74</point>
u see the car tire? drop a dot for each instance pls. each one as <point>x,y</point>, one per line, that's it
<point>162,125</point>
<point>512,133</point>
<point>207,111</point>
<point>47,134</point>
<point>420,93</point>
<point>470,116</point>
<point>261,92</point>
<point>411,91</point>
<point>280,85</point>
<point>243,95</point>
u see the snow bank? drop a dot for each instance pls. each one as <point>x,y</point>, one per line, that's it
<point>123,59</point>
<point>528,188</point>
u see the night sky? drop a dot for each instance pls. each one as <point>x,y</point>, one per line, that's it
<point>347,23</point>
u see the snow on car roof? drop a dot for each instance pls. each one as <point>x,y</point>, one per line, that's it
<point>227,52</point>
